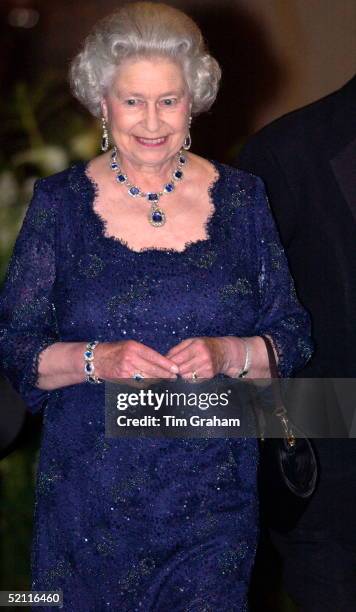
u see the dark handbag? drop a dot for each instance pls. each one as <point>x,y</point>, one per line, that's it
<point>288,469</point>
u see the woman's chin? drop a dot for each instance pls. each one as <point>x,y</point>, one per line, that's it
<point>154,155</point>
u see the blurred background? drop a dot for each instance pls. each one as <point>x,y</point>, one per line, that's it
<point>276,56</point>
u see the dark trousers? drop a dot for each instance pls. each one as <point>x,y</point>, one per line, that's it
<point>319,554</point>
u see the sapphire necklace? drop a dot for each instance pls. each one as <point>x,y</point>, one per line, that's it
<point>156,216</point>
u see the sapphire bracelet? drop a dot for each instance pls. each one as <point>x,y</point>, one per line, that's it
<point>89,368</point>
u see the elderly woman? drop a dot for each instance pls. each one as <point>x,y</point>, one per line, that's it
<point>148,261</point>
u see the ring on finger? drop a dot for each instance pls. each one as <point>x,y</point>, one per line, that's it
<point>138,376</point>
<point>194,375</point>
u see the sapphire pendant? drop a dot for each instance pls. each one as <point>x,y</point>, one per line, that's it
<point>156,217</point>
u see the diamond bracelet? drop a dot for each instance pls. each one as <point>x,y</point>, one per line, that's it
<point>89,368</point>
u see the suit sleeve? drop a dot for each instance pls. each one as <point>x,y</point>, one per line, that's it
<point>259,157</point>
<point>27,318</point>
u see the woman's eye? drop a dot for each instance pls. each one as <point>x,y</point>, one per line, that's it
<point>169,101</point>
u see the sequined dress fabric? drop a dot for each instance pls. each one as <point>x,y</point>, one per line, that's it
<point>142,525</point>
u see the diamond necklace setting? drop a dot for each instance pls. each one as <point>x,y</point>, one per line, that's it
<point>156,216</point>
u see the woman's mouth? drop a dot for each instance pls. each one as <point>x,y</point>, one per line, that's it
<point>151,142</point>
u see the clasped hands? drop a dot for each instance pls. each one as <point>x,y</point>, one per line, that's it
<point>192,358</point>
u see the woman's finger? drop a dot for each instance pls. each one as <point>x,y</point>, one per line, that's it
<point>175,350</point>
<point>148,369</point>
<point>197,349</point>
<point>156,359</point>
<point>201,369</point>
<point>191,370</point>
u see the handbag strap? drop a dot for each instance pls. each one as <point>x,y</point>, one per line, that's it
<point>280,410</point>
<point>271,357</point>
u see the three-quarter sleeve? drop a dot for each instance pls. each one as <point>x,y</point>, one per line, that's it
<point>27,318</point>
<point>281,315</point>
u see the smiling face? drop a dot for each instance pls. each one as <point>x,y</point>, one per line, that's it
<point>148,108</point>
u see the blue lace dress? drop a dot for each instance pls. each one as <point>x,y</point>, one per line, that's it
<point>142,525</point>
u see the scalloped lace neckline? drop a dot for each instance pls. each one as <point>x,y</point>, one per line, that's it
<point>102,224</point>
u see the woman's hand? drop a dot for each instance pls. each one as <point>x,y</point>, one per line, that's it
<point>123,359</point>
<point>62,363</point>
<point>206,357</point>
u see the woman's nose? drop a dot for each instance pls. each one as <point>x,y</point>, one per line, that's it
<point>152,120</point>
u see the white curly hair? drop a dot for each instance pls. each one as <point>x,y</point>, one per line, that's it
<point>138,30</point>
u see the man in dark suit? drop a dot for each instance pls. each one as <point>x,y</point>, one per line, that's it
<point>308,162</point>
